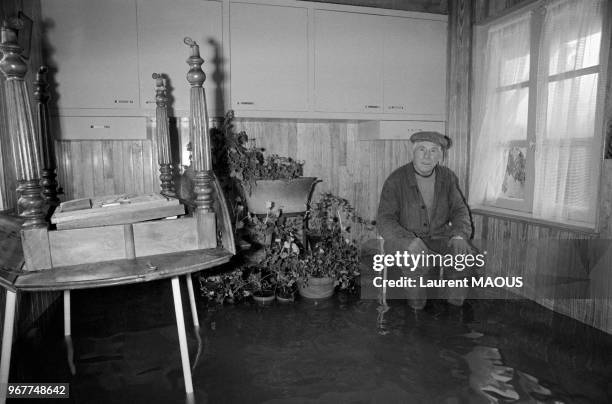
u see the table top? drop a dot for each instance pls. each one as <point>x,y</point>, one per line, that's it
<point>116,272</point>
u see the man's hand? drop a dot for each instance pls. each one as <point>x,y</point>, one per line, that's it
<point>417,246</point>
<point>459,246</point>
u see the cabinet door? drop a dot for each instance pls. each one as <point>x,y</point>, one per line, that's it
<point>162,26</point>
<point>415,67</point>
<point>348,62</point>
<point>92,47</point>
<point>269,57</point>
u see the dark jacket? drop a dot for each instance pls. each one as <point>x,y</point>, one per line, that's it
<point>402,214</point>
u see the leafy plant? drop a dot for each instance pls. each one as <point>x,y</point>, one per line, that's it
<point>227,287</point>
<point>237,157</point>
<point>261,281</point>
<point>332,255</point>
<point>332,211</point>
<point>283,258</point>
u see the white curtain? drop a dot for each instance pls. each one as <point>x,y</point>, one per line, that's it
<point>568,149</point>
<point>501,113</point>
<point>567,156</point>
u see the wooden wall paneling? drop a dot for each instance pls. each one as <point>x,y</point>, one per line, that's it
<point>371,190</point>
<point>385,164</point>
<point>98,168</point>
<point>87,163</point>
<point>498,252</point>
<point>301,139</point>
<point>316,137</point>
<point>531,266</point>
<point>292,141</point>
<point>342,139</point>
<point>363,168</point>
<point>108,167</point>
<point>64,168</point>
<point>136,156</point>
<point>150,167</point>
<point>458,87</point>
<point>334,148</point>
<point>128,166</point>
<point>477,223</point>
<point>326,160</point>
<point>516,254</point>
<point>346,183</point>
<point>75,179</point>
<point>139,166</point>
<point>371,196</point>
<point>605,200</point>
<point>119,167</point>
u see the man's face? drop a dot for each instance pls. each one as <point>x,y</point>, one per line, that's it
<point>426,156</point>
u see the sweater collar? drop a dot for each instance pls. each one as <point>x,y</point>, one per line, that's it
<point>411,174</point>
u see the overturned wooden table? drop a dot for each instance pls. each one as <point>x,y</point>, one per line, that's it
<point>113,248</point>
<point>108,273</point>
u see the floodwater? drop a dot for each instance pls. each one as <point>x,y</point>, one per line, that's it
<point>343,350</point>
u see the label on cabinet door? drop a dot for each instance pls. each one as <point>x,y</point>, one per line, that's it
<point>99,128</point>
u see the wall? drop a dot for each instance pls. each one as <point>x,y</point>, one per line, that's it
<point>500,231</point>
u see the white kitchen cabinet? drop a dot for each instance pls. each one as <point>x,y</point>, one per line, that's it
<point>162,26</point>
<point>415,67</point>
<point>269,57</point>
<point>348,62</point>
<point>91,47</point>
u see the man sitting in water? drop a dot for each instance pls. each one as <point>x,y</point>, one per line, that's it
<point>422,210</point>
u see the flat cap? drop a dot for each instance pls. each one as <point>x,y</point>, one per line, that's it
<point>434,137</point>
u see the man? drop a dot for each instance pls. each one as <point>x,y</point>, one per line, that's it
<point>422,210</point>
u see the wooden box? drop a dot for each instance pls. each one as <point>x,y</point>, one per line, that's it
<point>116,227</point>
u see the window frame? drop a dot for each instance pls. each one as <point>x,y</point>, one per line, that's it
<point>536,9</point>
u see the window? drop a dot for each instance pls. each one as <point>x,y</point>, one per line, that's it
<point>537,112</point>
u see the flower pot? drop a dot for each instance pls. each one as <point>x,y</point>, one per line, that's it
<point>316,288</point>
<point>285,299</point>
<point>290,196</point>
<point>263,296</point>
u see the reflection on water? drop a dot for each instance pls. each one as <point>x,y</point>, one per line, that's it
<point>347,351</point>
<point>341,350</point>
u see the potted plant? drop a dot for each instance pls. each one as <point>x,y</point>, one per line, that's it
<point>263,180</point>
<point>283,259</point>
<point>333,256</point>
<point>261,283</point>
<point>332,261</point>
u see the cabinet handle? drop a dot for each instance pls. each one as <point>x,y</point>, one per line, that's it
<point>124,101</point>
<point>99,126</point>
<point>372,106</point>
<point>245,103</point>
<point>149,102</point>
<point>396,107</point>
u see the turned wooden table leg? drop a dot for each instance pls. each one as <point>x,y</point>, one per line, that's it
<point>182,335</point>
<point>7,343</point>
